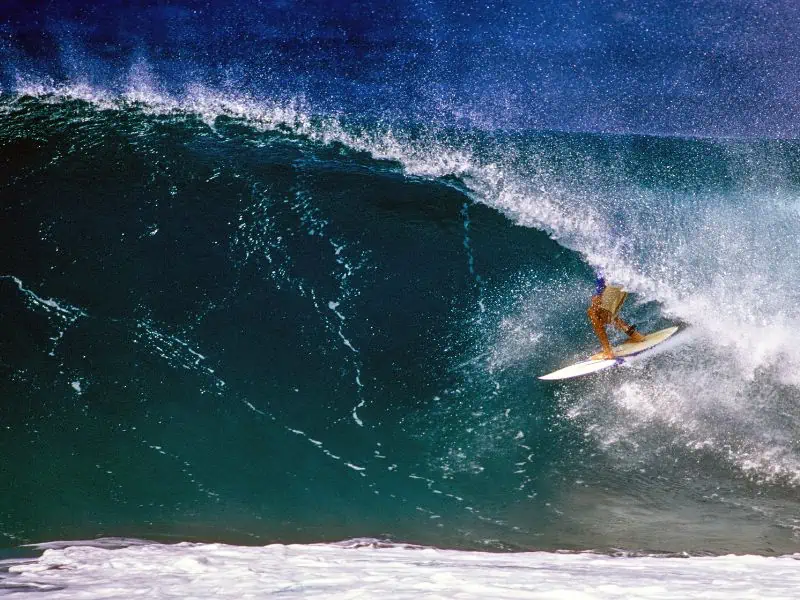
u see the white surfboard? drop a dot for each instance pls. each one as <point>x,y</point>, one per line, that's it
<point>622,353</point>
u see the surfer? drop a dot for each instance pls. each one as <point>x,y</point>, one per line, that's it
<point>603,309</point>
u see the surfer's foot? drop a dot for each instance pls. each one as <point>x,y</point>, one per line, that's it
<point>608,355</point>
<point>636,337</point>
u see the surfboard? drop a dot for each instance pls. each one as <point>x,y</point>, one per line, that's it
<point>622,353</point>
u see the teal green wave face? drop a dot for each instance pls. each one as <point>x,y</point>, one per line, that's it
<point>248,322</point>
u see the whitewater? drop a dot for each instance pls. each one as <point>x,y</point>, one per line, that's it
<point>369,568</point>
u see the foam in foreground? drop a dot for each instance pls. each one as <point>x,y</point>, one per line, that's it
<point>367,569</point>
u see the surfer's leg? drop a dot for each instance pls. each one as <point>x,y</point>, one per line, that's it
<point>599,318</point>
<point>629,330</point>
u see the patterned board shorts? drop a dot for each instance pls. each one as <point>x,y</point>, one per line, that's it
<point>612,299</point>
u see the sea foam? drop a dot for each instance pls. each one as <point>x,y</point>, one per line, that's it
<point>371,569</point>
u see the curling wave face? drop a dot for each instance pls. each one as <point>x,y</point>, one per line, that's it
<point>310,320</point>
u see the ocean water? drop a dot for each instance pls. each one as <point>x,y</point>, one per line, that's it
<point>248,315</point>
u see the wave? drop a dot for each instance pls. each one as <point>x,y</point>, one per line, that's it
<point>702,231</point>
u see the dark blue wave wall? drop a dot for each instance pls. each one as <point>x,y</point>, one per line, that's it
<point>701,68</point>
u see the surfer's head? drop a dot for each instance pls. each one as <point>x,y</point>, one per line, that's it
<point>599,285</point>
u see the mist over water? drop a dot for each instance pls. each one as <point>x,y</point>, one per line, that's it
<point>654,67</point>
<point>299,304</point>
